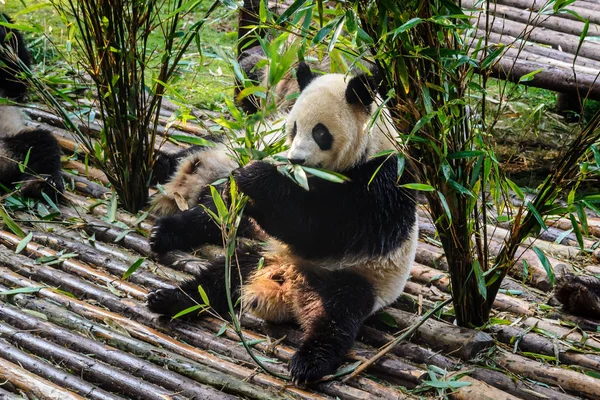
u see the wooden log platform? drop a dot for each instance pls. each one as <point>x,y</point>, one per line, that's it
<point>72,327</point>
<point>537,39</point>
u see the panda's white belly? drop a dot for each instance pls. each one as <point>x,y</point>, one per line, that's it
<point>388,275</point>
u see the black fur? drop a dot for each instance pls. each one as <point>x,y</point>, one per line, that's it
<point>331,220</point>
<point>44,162</point>
<point>43,167</point>
<point>361,89</point>
<point>304,75</point>
<point>172,301</point>
<point>194,227</point>
<point>10,85</point>
<point>322,136</point>
<point>347,300</point>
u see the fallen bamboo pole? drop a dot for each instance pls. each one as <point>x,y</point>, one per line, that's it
<point>179,356</point>
<point>32,384</point>
<point>184,387</point>
<point>39,367</point>
<point>571,381</point>
<point>186,332</point>
<point>536,5</point>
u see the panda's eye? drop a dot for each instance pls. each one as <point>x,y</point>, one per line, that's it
<point>322,137</point>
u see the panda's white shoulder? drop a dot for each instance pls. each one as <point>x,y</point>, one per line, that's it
<point>12,121</point>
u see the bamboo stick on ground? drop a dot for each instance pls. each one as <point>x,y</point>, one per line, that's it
<point>189,334</point>
<point>532,18</point>
<point>57,376</point>
<point>534,343</point>
<point>522,389</point>
<point>33,384</point>
<point>563,332</point>
<point>6,395</point>
<point>480,391</point>
<point>162,278</point>
<point>461,342</point>
<point>175,360</point>
<point>537,5</point>
<point>184,387</point>
<point>571,381</point>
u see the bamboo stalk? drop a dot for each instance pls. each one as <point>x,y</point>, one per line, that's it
<point>532,18</point>
<point>535,343</point>
<point>571,381</point>
<point>525,390</point>
<point>537,4</point>
<point>180,357</point>
<point>32,384</point>
<point>39,367</point>
<point>185,387</point>
<point>163,277</point>
<point>563,332</point>
<point>189,334</point>
<point>8,258</point>
<point>461,342</point>
<point>479,390</point>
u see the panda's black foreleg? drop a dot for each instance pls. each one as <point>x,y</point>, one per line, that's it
<point>212,279</point>
<point>334,307</point>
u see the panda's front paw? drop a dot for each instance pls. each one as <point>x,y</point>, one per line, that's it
<point>311,364</point>
<point>251,178</point>
<point>163,236</point>
<point>168,301</point>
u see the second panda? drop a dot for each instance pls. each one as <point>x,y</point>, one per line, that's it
<point>336,253</point>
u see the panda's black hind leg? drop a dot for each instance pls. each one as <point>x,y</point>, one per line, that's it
<point>172,301</point>
<point>334,307</point>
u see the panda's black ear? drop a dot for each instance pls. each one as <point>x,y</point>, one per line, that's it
<point>361,89</point>
<point>304,75</point>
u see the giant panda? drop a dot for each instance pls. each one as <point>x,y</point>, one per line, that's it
<point>334,254</point>
<point>29,156</point>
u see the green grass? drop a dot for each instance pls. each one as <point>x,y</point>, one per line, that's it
<point>204,78</point>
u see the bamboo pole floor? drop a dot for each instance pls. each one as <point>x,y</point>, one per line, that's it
<point>72,327</point>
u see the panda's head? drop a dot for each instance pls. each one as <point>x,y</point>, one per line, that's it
<point>327,127</point>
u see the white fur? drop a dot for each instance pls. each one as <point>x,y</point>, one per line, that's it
<point>12,121</point>
<point>323,101</point>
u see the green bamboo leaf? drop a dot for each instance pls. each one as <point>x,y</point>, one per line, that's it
<point>12,225</point>
<point>545,263</point>
<point>222,329</point>
<point>23,243</point>
<point>290,10</point>
<point>466,154</point>
<point>219,203</point>
<point>582,37</point>
<point>480,279</point>
<point>336,33</point>
<point>327,175</point>
<point>577,231</point>
<point>491,58</point>
<point>418,186</point>
<point>23,165</point>
<point>460,188</point>
<point>133,267</point>
<point>198,141</point>
<point>29,289</point>
<point>515,189</point>
<point>406,26</point>
<point>445,205</point>
<point>203,295</point>
<point>537,215</point>
<point>529,76</point>
<point>300,177</point>
<point>189,310</point>
<point>596,154</point>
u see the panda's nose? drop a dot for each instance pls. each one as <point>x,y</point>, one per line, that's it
<point>297,160</point>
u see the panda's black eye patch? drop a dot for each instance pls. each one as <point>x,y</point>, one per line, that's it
<point>294,131</point>
<point>322,137</point>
